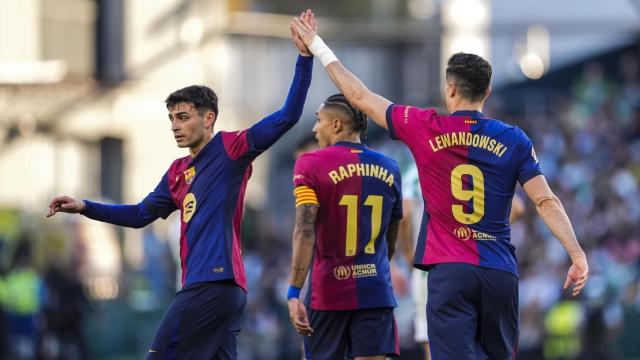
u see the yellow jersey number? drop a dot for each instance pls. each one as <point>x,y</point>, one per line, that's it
<point>476,193</point>
<point>352,204</point>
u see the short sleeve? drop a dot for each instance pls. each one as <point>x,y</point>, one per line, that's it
<point>528,165</point>
<point>159,202</point>
<point>408,123</point>
<point>303,172</point>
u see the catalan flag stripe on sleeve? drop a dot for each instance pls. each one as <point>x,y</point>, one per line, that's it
<point>305,195</point>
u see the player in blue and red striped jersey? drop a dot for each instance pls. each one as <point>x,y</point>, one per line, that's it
<point>208,188</point>
<point>348,206</point>
<point>468,165</point>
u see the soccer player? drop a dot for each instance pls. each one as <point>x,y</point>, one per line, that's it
<point>207,187</point>
<point>348,206</point>
<point>468,165</point>
<point>408,234</point>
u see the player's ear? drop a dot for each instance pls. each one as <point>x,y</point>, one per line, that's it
<point>336,125</point>
<point>209,120</point>
<point>452,89</point>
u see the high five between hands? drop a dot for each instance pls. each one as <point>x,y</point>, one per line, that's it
<point>304,29</point>
<point>309,19</point>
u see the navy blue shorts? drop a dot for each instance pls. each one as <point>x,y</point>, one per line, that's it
<point>366,332</point>
<point>202,322</point>
<point>472,312</point>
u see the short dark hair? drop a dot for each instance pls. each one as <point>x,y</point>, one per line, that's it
<point>471,74</point>
<point>202,97</point>
<point>357,118</point>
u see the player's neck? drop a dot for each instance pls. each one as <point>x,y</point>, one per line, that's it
<point>196,149</point>
<point>467,105</point>
<point>352,138</point>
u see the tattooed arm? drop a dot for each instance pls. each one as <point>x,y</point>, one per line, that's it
<point>392,236</point>
<point>304,238</point>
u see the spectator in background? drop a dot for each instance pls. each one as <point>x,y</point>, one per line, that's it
<point>63,309</point>
<point>20,296</point>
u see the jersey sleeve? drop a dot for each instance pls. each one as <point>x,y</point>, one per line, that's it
<point>304,182</point>
<point>407,123</point>
<point>133,216</point>
<point>528,165</point>
<point>159,202</point>
<point>303,174</point>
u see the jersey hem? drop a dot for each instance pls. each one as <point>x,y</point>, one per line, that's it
<point>429,266</point>
<point>351,308</point>
<point>213,279</point>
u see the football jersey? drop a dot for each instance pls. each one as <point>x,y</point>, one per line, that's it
<point>359,193</point>
<point>468,165</point>
<point>209,189</point>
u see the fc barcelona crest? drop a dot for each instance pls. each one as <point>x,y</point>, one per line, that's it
<point>189,174</point>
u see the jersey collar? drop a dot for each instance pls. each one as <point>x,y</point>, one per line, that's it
<point>351,144</point>
<point>469,113</point>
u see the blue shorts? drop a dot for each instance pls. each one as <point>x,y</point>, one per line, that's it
<point>202,322</point>
<point>366,332</point>
<point>472,312</point>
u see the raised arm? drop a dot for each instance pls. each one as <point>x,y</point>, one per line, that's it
<point>551,211</point>
<point>267,131</point>
<point>372,104</point>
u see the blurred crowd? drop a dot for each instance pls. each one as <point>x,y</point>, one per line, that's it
<point>587,138</point>
<point>42,307</point>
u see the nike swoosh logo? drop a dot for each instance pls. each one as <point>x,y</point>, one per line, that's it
<point>151,350</point>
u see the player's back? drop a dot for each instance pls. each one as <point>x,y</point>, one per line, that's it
<point>469,165</point>
<point>358,192</point>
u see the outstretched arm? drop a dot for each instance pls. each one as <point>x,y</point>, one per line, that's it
<point>134,216</point>
<point>372,104</point>
<point>551,211</point>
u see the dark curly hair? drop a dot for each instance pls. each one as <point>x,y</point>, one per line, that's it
<point>471,74</point>
<point>202,97</point>
<point>357,118</point>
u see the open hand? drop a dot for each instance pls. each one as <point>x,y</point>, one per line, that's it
<point>577,275</point>
<point>298,317</point>
<point>305,27</point>
<point>302,48</point>
<point>65,204</point>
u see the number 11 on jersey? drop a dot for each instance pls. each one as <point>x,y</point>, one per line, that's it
<point>352,204</point>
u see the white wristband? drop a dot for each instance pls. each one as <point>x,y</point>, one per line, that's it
<point>322,51</point>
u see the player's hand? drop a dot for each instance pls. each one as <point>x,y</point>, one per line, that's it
<point>302,48</point>
<point>305,26</point>
<point>577,275</point>
<point>298,317</point>
<point>65,204</point>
